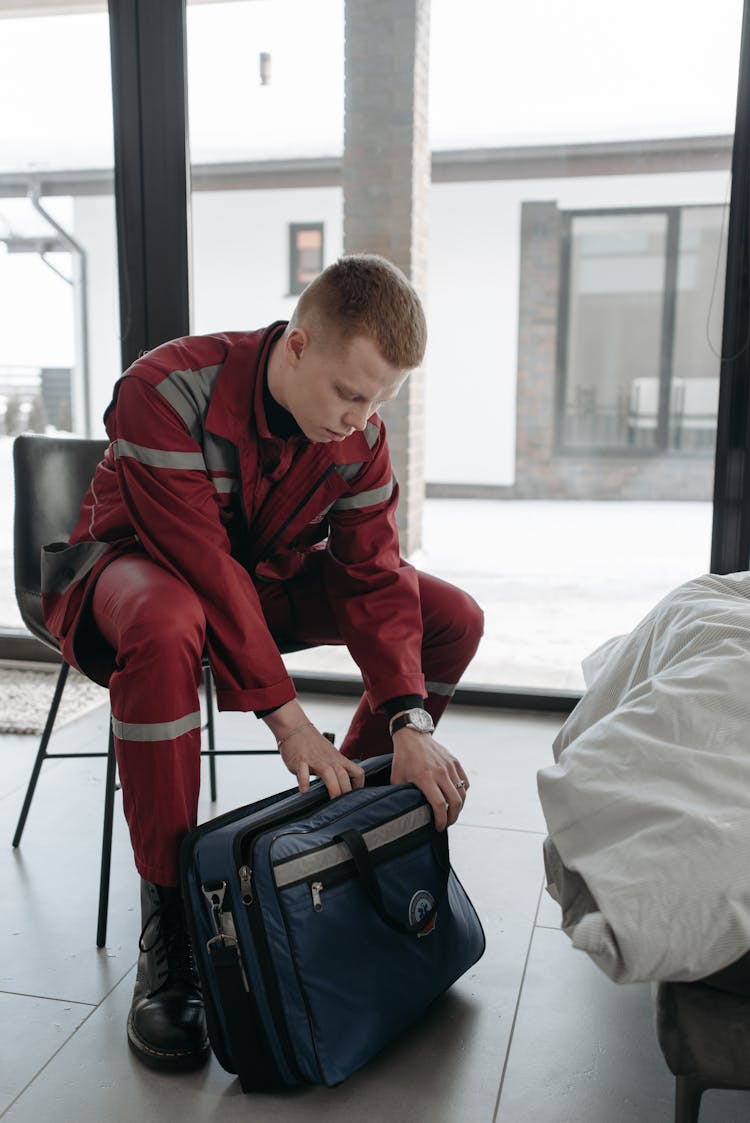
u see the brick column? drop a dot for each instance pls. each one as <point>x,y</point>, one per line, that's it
<point>536,473</point>
<point>386,179</point>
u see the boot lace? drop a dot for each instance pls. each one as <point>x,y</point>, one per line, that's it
<point>170,944</point>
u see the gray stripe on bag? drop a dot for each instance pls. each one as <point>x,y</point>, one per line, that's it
<point>300,868</point>
<point>447,688</point>
<point>158,457</point>
<point>156,730</point>
<point>365,498</point>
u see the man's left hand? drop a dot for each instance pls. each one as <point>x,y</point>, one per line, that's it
<point>419,759</point>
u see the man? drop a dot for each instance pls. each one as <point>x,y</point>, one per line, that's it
<point>246,500</point>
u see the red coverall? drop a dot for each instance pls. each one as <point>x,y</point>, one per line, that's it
<point>203,531</point>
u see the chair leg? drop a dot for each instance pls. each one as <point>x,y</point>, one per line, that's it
<point>109,803</point>
<point>42,753</point>
<point>688,1092</point>
<point>210,726</point>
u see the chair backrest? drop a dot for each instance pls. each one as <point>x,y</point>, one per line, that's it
<point>51,477</point>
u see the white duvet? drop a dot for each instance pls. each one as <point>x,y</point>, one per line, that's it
<point>648,805</point>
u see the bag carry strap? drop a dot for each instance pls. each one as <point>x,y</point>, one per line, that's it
<point>247,1043</point>
<point>366,870</point>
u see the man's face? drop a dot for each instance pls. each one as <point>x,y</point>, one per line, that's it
<point>331,392</point>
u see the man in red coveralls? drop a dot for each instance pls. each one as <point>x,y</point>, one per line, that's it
<point>247,500</point>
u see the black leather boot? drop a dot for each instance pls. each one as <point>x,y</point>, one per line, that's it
<point>167,1023</point>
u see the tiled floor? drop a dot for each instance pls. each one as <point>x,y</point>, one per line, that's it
<point>534,1033</point>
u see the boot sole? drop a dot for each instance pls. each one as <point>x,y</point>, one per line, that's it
<point>181,1061</point>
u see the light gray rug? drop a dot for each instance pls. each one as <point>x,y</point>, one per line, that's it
<point>25,697</point>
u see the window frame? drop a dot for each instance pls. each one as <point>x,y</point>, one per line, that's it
<point>296,285</point>
<point>661,446</point>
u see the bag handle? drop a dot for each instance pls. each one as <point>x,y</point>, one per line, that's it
<point>366,870</point>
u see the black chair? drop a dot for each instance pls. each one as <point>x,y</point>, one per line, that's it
<point>51,478</point>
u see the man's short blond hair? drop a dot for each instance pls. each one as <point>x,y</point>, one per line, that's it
<point>366,295</point>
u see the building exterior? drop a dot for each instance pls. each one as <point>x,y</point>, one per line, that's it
<point>574,302</point>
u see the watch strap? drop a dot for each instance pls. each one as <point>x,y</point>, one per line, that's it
<point>404,721</point>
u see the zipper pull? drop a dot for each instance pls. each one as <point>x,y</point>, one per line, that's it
<point>214,892</point>
<point>316,889</point>
<point>246,884</point>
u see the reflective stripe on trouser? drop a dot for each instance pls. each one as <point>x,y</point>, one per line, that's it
<point>156,625</point>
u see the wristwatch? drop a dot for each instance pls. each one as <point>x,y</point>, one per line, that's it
<point>413,719</point>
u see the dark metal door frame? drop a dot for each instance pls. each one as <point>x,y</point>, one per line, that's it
<point>730,542</point>
<point>152,171</point>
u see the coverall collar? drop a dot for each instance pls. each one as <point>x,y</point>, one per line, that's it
<point>237,401</point>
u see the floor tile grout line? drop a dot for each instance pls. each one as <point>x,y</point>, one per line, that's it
<point>62,1045</point>
<point>518,1003</point>
<point>496,827</point>
<point>50,998</point>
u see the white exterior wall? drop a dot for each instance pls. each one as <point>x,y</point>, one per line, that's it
<point>241,252</point>
<point>240,280</point>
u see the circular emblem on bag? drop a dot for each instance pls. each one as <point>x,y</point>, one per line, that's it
<point>419,907</point>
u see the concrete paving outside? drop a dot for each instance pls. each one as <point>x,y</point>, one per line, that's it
<point>555,578</point>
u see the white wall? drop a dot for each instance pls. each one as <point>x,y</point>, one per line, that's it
<point>472,310</point>
<point>241,252</point>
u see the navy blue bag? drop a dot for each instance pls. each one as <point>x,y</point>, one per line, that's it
<point>323,928</point>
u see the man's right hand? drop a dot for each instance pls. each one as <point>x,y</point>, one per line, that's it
<point>305,752</point>
<point>309,752</point>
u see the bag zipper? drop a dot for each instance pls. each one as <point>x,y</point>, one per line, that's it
<point>346,871</point>
<point>316,796</point>
<point>258,927</point>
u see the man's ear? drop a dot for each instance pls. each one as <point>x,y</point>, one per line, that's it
<point>296,342</point>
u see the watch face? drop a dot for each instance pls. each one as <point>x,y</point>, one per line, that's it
<point>421,720</point>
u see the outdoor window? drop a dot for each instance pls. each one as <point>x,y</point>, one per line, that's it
<point>59,343</point>
<point>305,254</point>
<point>639,333</point>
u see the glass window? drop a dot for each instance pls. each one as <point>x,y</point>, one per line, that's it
<point>305,254</point>
<point>59,317</point>
<point>615,311</point>
<point>574,288</point>
<point>575,310</point>
<point>639,369</point>
<point>280,90</point>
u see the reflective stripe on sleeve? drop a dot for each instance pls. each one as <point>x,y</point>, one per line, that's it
<point>189,393</point>
<point>158,457</point>
<point>224,485</point>
<point>365,498</point>
<point>155,730</point>
<point>349,471</point>
<point>446,688</point>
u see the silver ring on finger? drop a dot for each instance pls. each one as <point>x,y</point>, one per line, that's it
<point>460,784</point>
